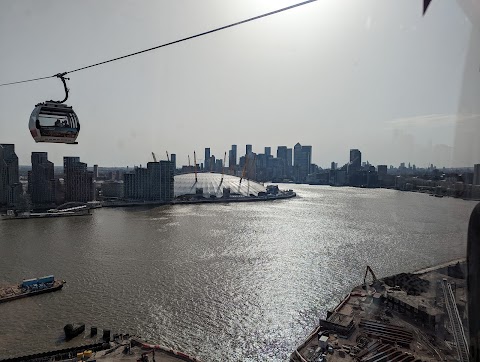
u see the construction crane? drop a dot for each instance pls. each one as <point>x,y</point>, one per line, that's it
<point>374,278</point>
<point>195,165</point>
<point>168,157</point>
<point>154,158</point>
<point>248,178</point>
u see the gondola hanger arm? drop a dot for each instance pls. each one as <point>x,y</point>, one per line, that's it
<point>61,76</point>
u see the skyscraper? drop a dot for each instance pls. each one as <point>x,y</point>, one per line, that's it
<point>355,160</point>
<point>232,156</point>
<point>302,160</point>
<point>206,161</point>
<point>167,192</point>
<point>268,151</point>
<point>248,149</point>
<point>41,184</point>
<point>10,187</point>
<point>78,180</point>
<point>282,153</point>
<point>173,159</point>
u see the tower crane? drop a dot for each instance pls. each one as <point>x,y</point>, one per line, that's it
<point>154,158</point>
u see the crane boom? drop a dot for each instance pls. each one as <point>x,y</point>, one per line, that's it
<point>366,273</point>
<point>154,158</point>
<point>223,165</point>
<point>168,157</point>
<point>223,169</point>
<point>244,169</point>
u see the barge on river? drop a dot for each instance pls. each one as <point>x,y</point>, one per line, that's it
<point>30,287</point>
<point>73,211</point>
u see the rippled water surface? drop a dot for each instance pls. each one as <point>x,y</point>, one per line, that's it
<point>233,282</point>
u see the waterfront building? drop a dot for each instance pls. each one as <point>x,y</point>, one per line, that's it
<point>167,181</point>
<point>302,161</point>
<point>248,150</point>
<point>95,172</point>
<point>476,174</point>
<point>79,185</point>
<point>355,163</point>
<point>112,189</point>
<point>10,187</point>
<point>153,183</point>
<point>135,184</point>
<point>41,181</point>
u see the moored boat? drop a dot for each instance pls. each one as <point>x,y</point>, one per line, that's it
<point>30,287</point>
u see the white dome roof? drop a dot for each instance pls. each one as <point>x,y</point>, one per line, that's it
<point>210,183</point>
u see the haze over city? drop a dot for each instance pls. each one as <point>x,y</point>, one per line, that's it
<point>334,75</point>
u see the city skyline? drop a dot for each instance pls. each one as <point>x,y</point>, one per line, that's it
<point>376,90</point>
<point>259,149</point>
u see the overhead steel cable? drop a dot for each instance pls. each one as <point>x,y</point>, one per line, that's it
<point>28,80</point>
<point>171,43</point>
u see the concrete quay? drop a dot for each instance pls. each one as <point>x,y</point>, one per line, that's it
<point>200,201</point>
<point>122,348</point>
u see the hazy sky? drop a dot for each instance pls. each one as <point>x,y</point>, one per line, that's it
<point>334,74</point>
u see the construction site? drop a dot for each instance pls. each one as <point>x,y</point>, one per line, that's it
<point>415,317</point>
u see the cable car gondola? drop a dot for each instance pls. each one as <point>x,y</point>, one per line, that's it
<point>54,122</point>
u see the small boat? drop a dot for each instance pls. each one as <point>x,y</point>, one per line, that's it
<point>30,287</point>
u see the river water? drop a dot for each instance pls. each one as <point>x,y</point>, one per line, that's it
<point>231,282</point>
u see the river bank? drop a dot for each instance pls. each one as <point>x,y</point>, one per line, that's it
<point>394,317</point>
